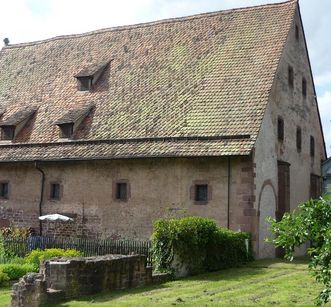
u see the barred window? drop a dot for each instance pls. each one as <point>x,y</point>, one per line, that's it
<point>201,192</point>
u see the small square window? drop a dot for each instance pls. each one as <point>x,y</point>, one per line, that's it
<point>121,191</point>
<point>201,192</point>
<point>7,132</point>
<point>280,129</point>
<point>66,130</point>
<point>4,190</point>
<point>55,191</point>
<point>312,146</point>
<point>290,76</point>
<point>299,139</point>
<point>85,83</point>
<point>304,87</point>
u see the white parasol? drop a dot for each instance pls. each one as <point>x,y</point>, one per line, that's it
<point>55,217</point>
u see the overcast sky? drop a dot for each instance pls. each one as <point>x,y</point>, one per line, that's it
<point>28,20</point>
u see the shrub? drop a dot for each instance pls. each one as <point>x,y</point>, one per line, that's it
<point>16,232</point>
<point>16,260</point>
<point>310,222</point>
<point>3,279</point>
<point>16,271</point>
<point>197,243</point>
<point>38,255</point>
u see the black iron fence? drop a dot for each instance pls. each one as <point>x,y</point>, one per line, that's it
<point>22,246</point>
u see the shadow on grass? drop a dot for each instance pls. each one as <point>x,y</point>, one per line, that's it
<point>229,274</point>
<point>108,296</point>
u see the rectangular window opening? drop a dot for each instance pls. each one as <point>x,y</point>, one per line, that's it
<point>55,191</point>
<point>201,192</point>
<point>312,146</point>
<point>290,77</point>
<point>4,190</point>
<point>121,191</point>
<point>85,83</point>
<point>280,129</point>
<point>66,130</point>
<point>7,132</point>
<point>299,139</point>
<point>296,32</point>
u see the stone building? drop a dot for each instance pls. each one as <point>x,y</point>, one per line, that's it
<point>212,115</point>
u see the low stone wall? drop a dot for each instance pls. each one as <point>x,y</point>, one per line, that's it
<point>73,277</point>
<point>80,276</point>
<point>31,290</point>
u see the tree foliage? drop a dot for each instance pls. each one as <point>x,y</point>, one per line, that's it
<point>311,222</point>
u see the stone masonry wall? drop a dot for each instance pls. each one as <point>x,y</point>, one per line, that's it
<point>81,276</point>
<point>30,291</point>
<point>66,278</point>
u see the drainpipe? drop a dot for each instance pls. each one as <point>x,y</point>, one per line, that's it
<point>229,187</point>
<point>41,194</point>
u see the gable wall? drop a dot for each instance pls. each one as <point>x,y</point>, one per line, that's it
<point>296,110</point>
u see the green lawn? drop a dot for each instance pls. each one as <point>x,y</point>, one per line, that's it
<point>261,283</point>
<point>5,296</point>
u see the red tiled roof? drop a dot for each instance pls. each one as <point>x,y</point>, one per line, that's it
<point>203,75</point>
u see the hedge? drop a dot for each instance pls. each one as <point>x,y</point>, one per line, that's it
<point>197,243</point>
<point>38,255</point>
<point>15,271</point>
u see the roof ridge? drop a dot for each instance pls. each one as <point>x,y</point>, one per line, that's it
<point>147,24</point>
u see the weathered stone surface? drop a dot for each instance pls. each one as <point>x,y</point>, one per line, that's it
<point>64,278</point>
<point>30,291</point>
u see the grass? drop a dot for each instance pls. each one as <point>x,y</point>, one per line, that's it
<point>5,296</point>
<point>261,283</point>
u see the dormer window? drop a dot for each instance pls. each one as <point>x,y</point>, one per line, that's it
<point>13,123</point>
<point>85,83</point>
<point>90,75</point>
<point>71,120</point>
<point>66,130</point>
<point>7,132</point>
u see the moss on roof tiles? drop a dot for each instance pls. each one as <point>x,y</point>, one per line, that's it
<point>202,75</point>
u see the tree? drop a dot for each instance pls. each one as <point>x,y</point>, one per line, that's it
<point>311,222</point>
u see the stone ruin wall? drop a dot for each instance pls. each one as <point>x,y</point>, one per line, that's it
<point>68,278</point>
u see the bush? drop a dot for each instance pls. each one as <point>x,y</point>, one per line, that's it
<point>16,232</point>
<point>38,255</point>
<point>16,271</point>
<point>310,222</point>
<point>197,243</point>
<point>3,279</point>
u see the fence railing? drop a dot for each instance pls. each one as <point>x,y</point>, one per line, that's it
<point>22,246</point>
